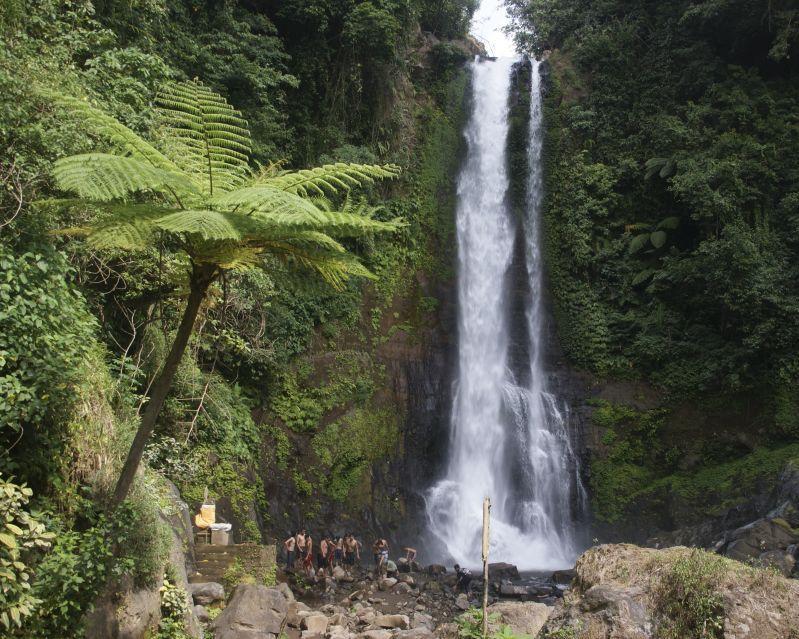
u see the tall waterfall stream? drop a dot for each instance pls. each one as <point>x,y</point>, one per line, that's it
<point>509,438</point>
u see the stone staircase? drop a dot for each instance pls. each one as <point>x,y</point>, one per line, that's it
<point>212,561</point>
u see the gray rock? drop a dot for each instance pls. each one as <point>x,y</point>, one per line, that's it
<point>388,583</point>
<point>285,590</point>
<point>400,622</point>
<point>202,614</point>
<point>206,593</point>
<point>414,633</point>
<point>254,612</point>
<point>422,621</point>
<point>436,569</point>
<point>564,577</point>
<point>315,623</point>
<point>375,634</point>
<point>781,560</point>
<point>499,571</point>
<point>523,618</point>
<point>760,536</point>
<point>402,588</point>
<point>462,602</point>
<point>296,611</point>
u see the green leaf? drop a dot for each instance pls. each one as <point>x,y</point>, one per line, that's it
<point>8,540</point>
<point>639,242</point>
<point>658,238</point>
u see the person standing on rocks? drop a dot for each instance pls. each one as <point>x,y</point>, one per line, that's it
<point>321,557</point>
<point>339,553</point>
<point>301,546</point>
<point>308,560</point>
<point>290,544</point>
<point>463,579</point>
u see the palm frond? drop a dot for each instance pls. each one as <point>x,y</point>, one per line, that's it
<point>210,139</point>
<point>330,179</point>
<point>120,136</point>
<point>103,177</point>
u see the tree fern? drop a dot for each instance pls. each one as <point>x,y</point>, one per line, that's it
<point>212,206</point>
<point>209,139</point>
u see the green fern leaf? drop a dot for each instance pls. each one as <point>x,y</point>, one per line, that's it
<point>209,138</point>
<point>209,225</point>
<point>331,179</point>
<point>120,136</point>
<point>103,177</point>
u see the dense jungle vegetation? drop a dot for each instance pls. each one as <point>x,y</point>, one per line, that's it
<point>672,207</point>
<point>86,323</point>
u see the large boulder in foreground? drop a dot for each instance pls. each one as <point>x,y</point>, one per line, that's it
<point>622,591</point>
<point>524,619</point>
<point>254,612</point>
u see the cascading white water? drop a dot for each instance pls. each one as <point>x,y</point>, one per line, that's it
<point>498,424</point>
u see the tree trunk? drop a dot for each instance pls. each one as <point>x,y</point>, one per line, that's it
<point>201,278</point>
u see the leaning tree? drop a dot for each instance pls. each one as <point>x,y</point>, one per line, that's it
<point>195,185</point>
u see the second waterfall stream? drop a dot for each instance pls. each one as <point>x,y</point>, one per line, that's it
<point>509,432</point>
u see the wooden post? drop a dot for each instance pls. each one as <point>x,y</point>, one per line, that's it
<point>486,524</point>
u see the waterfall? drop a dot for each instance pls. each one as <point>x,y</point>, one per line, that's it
<point>509,440</point>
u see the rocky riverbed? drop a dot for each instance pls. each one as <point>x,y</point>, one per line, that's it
<point>617,591</point>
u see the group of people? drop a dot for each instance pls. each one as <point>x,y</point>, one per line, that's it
<point>331,551</point>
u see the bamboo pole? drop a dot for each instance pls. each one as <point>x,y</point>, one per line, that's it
<point>486,525</point>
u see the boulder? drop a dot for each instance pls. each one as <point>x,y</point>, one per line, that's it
<point>207,593</point>
<point>296,611</point>
<point>564,577</point>
<point>406,579</point>
<point>462,602</point>
<point>523,618</point>
<point>762,535</point>
<point>254,612</point>
<point>387,583</point>
<point>399,622</point>
<point>402,588</point>
<point>339,574</point>
<point>202,614</point>
<point>499,571</point>
<point>375,634</point>
<point>285,590</point>
<point>315,623</point>
<point>422,621</point>
<point>620,591</point>
<point>783,561</point>
<point>436,569</point>
<point>507,589</point>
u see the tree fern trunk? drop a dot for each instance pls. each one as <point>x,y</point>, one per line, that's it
<point>201,278</point>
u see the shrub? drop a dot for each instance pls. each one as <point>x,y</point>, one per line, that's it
<point>21,535</point>
<point>688,601</point>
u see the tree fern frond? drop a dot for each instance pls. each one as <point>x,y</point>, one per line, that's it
<point>103,177</point>
<point>210,138</point>
<point>330,179</point>
<point>114,131</point>
<point>125,226</point>
<point>334,267</point>
<point>267,201</point>
<point>210,225</point>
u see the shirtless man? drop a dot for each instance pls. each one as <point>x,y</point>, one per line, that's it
<point>290,544</point>
<point>307,562</point>
<point>301,546</point>
<point>321,559</point>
